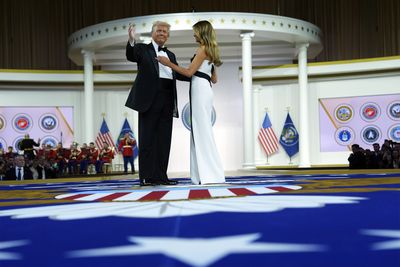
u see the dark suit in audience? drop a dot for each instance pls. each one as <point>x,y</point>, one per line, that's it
<point>24,174</point>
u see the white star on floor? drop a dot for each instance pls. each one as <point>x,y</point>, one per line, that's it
<point>196,251</point>
<point>10,244</point>
<point>392,244</point>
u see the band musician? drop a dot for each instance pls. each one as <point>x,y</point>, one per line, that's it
<point>126,146</point>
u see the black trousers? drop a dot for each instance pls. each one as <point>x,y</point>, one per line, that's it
<point>155,132</point>
<point>129,159</point>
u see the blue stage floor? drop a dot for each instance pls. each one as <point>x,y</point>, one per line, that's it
<point>308,220</point>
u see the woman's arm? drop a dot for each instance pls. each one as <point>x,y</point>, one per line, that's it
<point>193,67</point>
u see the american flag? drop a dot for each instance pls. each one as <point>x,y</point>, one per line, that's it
<point>267,137</point>
<point>104,135</point>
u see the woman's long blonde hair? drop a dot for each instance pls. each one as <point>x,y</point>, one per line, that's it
<point>206,33</point>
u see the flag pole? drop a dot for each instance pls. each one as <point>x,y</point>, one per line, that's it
<point>266,111</point>
<point>290,158</point>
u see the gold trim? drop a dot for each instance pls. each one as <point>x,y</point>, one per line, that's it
<point>277,167</point>
<point>331,62</point>
<point>283,167</point>
<point>314,76</point>
<point>62,83</point>
<point>67,71</point>
<point>65,121</point>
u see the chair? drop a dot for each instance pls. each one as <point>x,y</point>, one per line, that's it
<point>107,168</point>
<point>91,169</point>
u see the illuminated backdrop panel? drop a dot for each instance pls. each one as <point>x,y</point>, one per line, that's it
<point>50,124</point>
<point>362,120</point>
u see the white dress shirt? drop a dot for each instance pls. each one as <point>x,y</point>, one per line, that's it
<point>22,172</point>
<point>165,72</point>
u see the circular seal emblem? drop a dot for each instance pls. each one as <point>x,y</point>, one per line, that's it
<point>22,122</point>
<point>343,113</point>
<point>186,120</point>
<point>50,140</point>
<point>394,110</point>
<point>3,144</point>
<point>2,123</point>
<point>394,132</point>
<point>48,122</point>
<point>370,112</point>
<point>344,136</point>
<point>370,134</point>
<point>16,142</point>
<point>289,136</point>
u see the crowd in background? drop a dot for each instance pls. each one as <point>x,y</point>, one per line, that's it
<point>386,156</point>
<point>40,161</point>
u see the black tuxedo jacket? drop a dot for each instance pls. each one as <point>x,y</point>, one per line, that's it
<point>11,174</point>
<point>147,82</point>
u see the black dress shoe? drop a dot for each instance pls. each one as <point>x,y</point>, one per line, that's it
<point>169,182</point>
<point>144,183</point>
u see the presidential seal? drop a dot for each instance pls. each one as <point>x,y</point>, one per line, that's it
<point>344,113</point>
<point>17,142</point>
<point>22,123</point>
<point>186,120</point>
<point>344,136</point>
<point>370,112</point>
<point>370,134</point>
<point>50,140</point>
<point>394,132</point>
<point>48,122</point>
<point>2,123</point>
<point>394,110</point>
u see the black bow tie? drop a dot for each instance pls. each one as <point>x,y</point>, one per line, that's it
<point>162,48</point>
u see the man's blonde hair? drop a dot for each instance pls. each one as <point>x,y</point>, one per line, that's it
<point>160,23</point>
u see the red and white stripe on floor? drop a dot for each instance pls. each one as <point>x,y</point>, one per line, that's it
<point>158,194</point>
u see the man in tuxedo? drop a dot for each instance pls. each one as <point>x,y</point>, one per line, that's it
<point>19,171</point>
<point>153,95</point>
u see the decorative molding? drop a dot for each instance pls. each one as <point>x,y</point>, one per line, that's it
<point>98,37</point>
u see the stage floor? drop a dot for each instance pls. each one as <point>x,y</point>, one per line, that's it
<point>330,217</point>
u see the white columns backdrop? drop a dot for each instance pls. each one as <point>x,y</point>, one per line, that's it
<point>248,133</point>
<point>88,84</point>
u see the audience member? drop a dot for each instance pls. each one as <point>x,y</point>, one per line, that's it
<point>382,157</point>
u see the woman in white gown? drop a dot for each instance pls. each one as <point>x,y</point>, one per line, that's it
<point>205,163</point>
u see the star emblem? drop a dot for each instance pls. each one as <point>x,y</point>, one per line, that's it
<point>10,244</point>
<point>384,245</point>
<point>196,251</point>
<point>165,209</point>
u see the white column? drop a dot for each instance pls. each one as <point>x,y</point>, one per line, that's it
<point>248,132</point>
<point>88,82</point>
<point>256,121</point>
<point>304,134</point>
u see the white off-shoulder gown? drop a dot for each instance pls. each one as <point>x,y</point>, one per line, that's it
<point>205,162</point>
